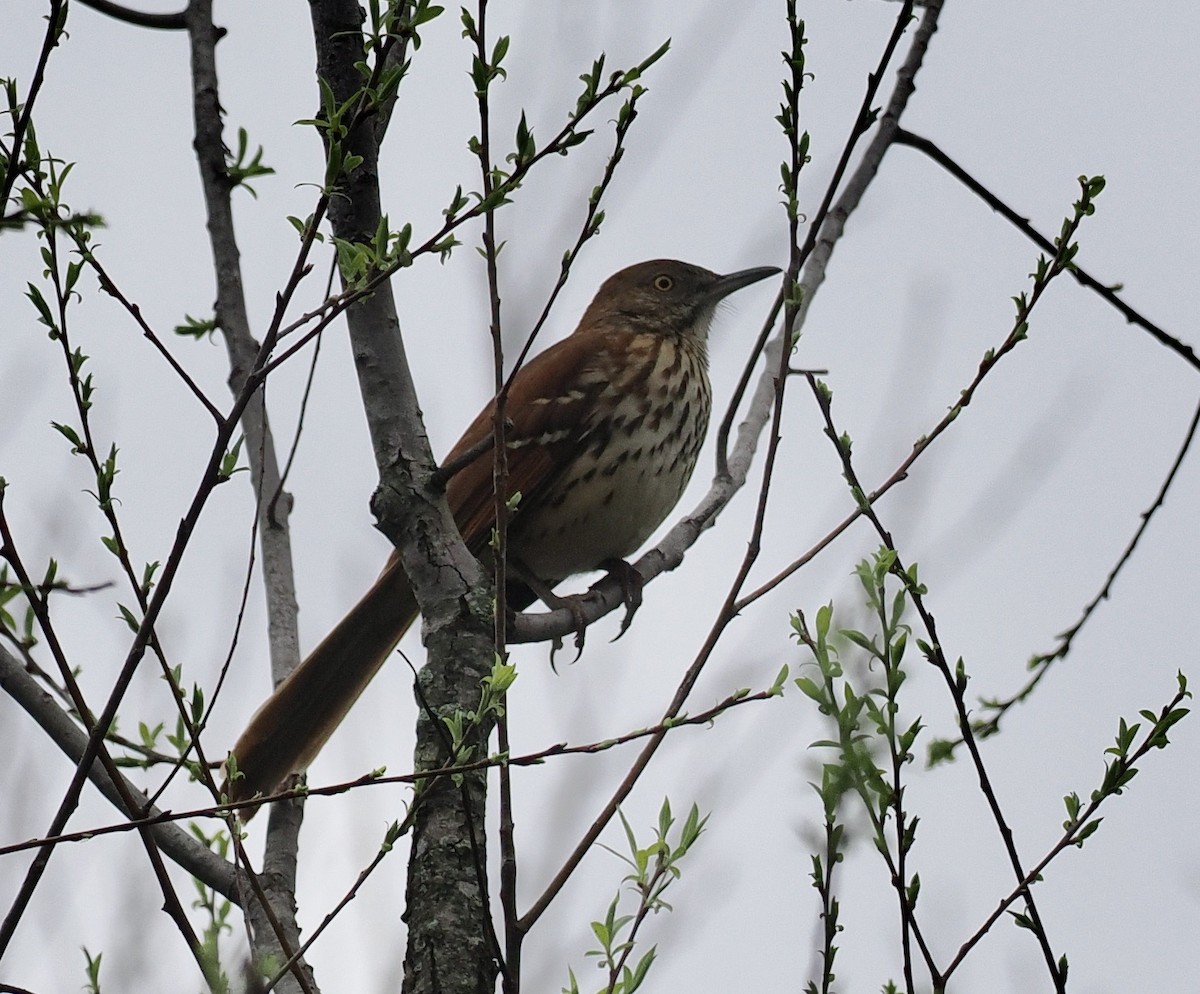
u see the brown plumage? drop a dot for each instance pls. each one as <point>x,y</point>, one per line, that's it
<point>606,426</point>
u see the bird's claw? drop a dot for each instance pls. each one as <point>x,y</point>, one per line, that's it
<point>574,604</point>
<point>632,583</point>
<point>631,595</point>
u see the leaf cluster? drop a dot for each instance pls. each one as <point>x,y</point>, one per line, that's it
<point>653,868</point>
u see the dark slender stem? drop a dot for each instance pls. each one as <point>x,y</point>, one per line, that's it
<point>55,24</point>
<point>954,685</point>
<point>133,805</point>
<point>1074,828</point>
<point>148,333</point>
<point>538,758</point>
<point>816,227</point>
<point>363,876</point>
<point>899,815</point>
<point>1047,271</point>
<point>510,960</point>
<point>739,391</point>
<point>140,18</point>
<point>726,613</point>
<point>300,417</point>
<point>91,452</point>
<point>1041,663</point>
<point>142,640</point>
<point>1084,278</point>
<point>63,729</point>
<point>875,816</point>
<point>828,903</point>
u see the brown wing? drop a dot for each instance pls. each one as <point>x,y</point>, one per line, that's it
<point>544,408</point>
<point>290,728</point>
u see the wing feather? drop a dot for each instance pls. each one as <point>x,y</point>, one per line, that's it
<point>544,408</point>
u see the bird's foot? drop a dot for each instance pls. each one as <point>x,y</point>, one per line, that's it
<point>631,594</point>
<point>574,604</point>
<point>571,602</point>
<point>631,589</point>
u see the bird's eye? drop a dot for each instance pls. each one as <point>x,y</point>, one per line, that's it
<point>663,283</point>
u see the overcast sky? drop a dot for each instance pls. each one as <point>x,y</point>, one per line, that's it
<point>1015,517</point>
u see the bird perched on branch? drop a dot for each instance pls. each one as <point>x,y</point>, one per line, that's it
<point>604,429</point>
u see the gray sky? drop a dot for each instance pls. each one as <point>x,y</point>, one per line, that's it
<point>1015,517</point>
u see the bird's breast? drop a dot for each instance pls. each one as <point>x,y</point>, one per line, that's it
<point>627,466</point>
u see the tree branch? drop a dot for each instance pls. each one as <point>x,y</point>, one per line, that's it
<point>762,405</point>
<point>178,844</point>
<point>140,18</point>
<point>1082,276</point>
<point>447,943</point>
<point>270,906</point>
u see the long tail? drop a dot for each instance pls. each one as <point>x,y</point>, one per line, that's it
<point>292,725</point>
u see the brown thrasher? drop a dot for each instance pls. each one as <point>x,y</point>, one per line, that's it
<point>605,429</point>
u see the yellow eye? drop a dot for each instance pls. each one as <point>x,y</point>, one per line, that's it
<point>663,283</point>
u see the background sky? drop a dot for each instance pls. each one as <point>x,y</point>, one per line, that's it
<point>1015,517</point>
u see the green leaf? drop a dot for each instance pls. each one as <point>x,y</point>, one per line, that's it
<point>824,620</point>
<point>198,328</point>
<point>1087,830</point>
<point>148,735</point>
<point>71,436</point>
<point>1072,803</point>
<point>1021,920</point>
<point>500,50</point>
<point>229,461</point>
<point>44,314</point>
<point>654,56</point>
<point>91,963</point>
<point>777,687</point>
<point>940,751</point>
<point>148,576</point>
<point>862,641</point>
<point>468,22</point>
<point>129,618</point>
<point>913,889</point>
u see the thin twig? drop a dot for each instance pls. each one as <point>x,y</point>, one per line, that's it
<point>1074,828</point>
<point>130,801</point>
<point>1082,276</point>
<point>507,959</point>
<point>764,406</point>
<point>140,18</point>
<point>1047,271</point>
<point>937,656</point>
<point>301,419</point>
<point>9,665</point>
<point>65,732</point>
<point>1042,662</point>
<point>55,24</point>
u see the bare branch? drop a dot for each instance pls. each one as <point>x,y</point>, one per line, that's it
<point>273,905</point>
<point>1082,276</point>
<point>175,842</point>
<point>451,587</point>
<point>140,18</point>
<point>537,758</point>
<point>762,405</point>
<point>55,25</point>
<point>1041,663</point>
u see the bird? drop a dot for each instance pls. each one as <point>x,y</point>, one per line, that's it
<point>603,431</point>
